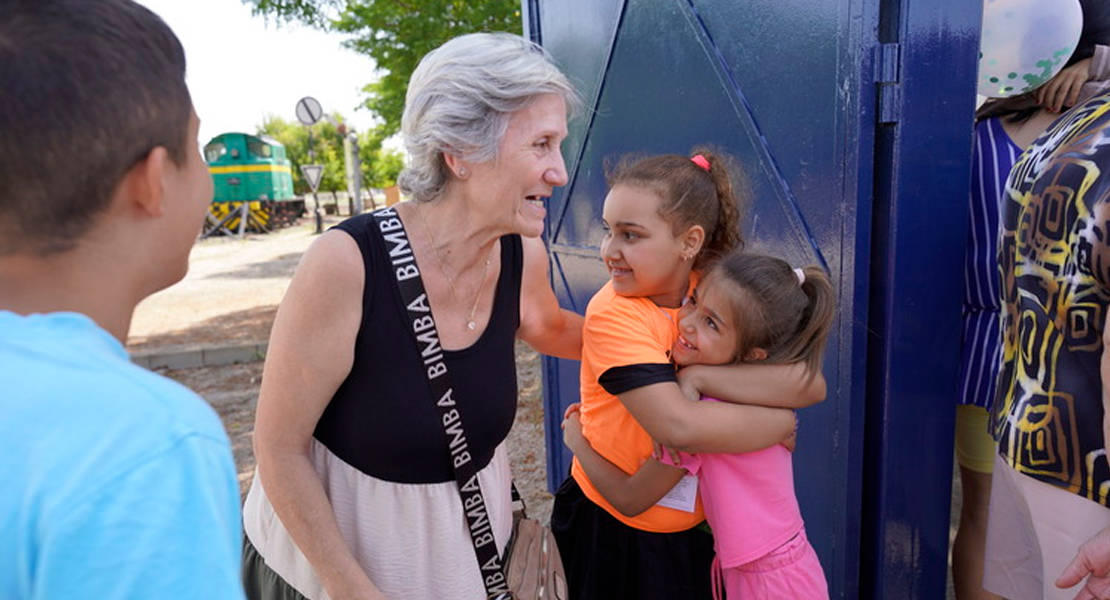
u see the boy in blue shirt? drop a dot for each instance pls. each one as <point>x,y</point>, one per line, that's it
<point>117,483</point>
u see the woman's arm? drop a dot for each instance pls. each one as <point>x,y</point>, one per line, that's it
<point>781,386</point>
<point>629,494</point>
<point>545,326</point>
<point>675,422</point>
<point>310,354</point>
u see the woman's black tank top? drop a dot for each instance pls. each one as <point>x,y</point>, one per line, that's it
<point>382,420</point>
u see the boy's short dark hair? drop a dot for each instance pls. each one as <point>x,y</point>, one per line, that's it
<point>87,89</point>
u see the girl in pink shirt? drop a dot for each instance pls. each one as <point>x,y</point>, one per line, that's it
<point>747,308</point>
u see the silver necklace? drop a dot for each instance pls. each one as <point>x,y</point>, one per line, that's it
<point>470,324</point>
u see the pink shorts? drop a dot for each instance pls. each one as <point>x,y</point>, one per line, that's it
<point>789,571</point>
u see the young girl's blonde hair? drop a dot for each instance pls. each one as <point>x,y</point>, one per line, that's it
<point>785,311</point>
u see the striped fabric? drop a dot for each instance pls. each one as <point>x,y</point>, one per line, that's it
<point>993,157</point>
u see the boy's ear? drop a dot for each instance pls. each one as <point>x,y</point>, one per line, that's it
<point>144,183</point>
<point>755,354</point>
<point>693,240</point>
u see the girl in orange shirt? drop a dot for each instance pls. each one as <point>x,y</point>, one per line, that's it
<point>666,218</point>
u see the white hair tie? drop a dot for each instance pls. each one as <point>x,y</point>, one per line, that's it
<point>801,276</point>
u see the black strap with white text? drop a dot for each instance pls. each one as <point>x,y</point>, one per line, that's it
<point>427,340</point>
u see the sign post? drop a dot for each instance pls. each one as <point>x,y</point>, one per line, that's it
<point>310,112</point>
<point>312,175</point>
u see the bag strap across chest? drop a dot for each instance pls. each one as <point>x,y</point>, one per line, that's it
<point>423,327</point>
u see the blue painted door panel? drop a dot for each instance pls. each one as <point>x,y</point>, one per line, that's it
<point>789,88</point>
<point>921,174</point>
<point>676,75</point>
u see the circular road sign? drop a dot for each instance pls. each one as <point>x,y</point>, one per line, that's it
<point>309,110</point>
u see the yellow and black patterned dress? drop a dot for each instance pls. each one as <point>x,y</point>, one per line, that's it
<point>1055,265</point>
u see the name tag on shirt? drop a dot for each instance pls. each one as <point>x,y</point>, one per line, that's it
<point>683,496</point>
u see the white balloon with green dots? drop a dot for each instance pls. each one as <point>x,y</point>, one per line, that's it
<point>1024,43</point>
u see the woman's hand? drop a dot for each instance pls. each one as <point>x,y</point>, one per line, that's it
<point>1090,566</point>
<point>1062,91</point>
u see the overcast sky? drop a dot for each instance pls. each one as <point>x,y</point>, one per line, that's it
<point>241,68</point>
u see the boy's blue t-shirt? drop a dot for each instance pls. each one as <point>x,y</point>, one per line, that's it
<point>117,482</point>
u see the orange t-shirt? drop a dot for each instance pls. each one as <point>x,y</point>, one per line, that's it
<point>630,338</point>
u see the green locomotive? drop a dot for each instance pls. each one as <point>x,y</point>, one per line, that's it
<point>251,170</point>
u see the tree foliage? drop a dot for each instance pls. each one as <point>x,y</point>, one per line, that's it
<point>327,145</point>
<point>395,34</point>
<point>379,166</point>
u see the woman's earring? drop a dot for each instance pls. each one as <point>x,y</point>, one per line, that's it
<point>463,173</point>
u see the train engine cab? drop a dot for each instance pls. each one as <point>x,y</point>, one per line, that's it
<point>253,182</point>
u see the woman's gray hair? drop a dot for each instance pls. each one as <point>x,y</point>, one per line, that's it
<point>460,98</point>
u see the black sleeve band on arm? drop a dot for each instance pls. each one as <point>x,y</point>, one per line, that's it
<point>619,380</point>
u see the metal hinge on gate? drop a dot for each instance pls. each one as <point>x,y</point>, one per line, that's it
<point>887,63</point>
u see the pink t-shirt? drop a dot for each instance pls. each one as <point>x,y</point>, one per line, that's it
<point>748,499</point>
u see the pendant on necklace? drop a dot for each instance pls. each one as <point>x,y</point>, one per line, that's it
<point>471,325</point>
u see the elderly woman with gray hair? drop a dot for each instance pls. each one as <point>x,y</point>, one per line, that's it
<point>355,493</point>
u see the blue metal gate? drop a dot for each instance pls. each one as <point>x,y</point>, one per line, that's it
<point>853,121</point>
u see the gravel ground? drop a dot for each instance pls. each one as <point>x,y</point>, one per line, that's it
<point>230,297</point>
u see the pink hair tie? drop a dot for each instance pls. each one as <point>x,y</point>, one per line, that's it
<point>701,161</point>
<point>801,275</point>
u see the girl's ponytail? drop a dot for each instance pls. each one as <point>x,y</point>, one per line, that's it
<point>730,187</point>
<point>807,344</point>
